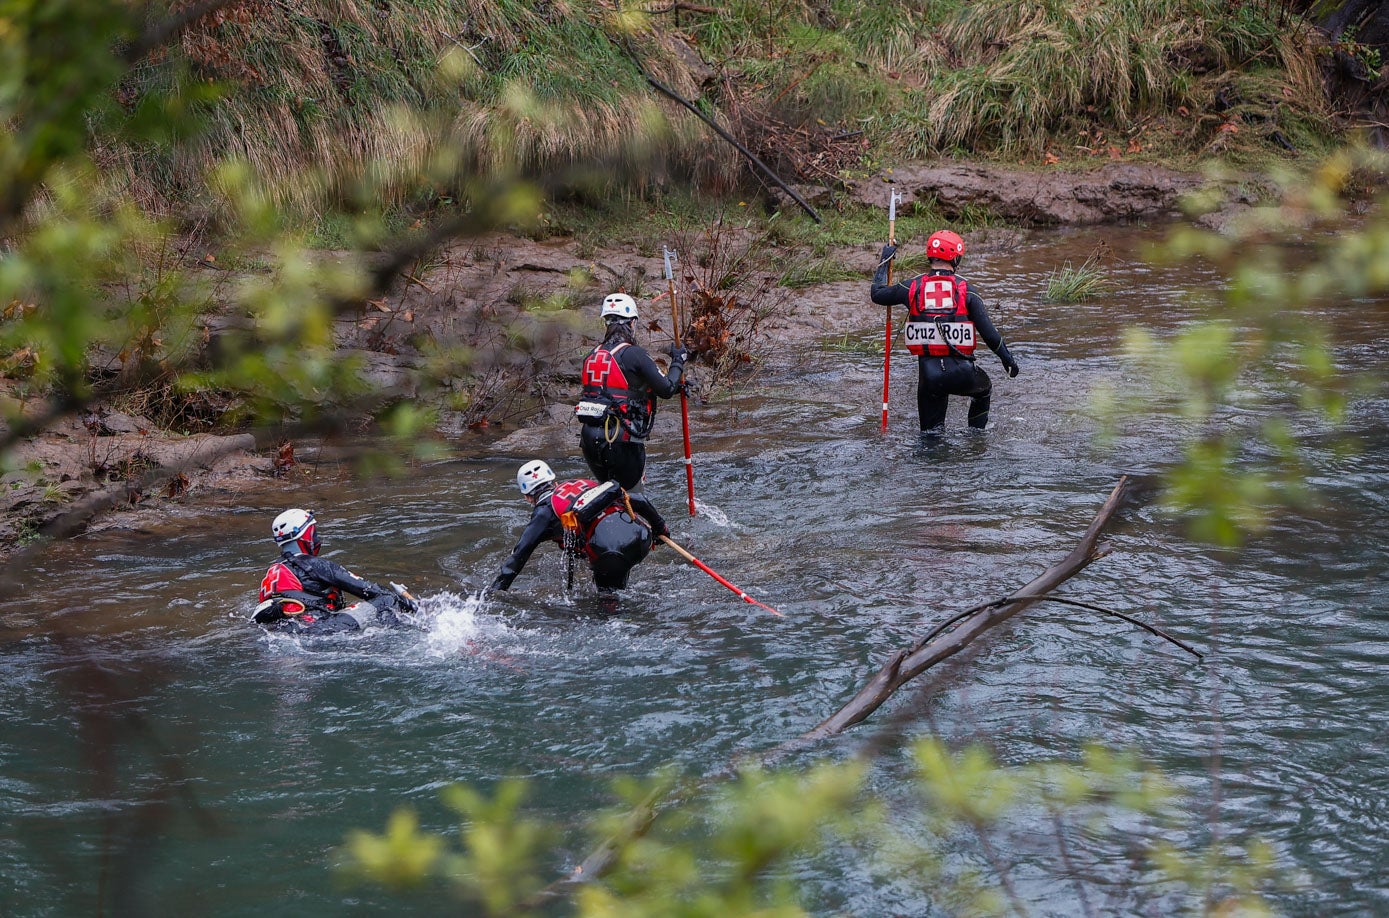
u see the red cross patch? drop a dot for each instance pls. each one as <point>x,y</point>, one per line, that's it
<point>278,579</point>
<point>937,296</point>
<point>597,367</point>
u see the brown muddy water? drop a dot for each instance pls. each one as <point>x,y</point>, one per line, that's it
<point>163,756</point>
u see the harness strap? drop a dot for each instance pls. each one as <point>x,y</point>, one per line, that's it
<point>940,327</point>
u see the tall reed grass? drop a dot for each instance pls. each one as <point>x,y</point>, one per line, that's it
<point>329,96</point>
<point>1071,284</point>
<point>1032,71</point>
<point>322,97</point>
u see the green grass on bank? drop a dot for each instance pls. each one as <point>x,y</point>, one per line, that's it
<point>539,85</point>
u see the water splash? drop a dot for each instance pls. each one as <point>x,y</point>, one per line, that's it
<point>456,623</point>
<point>712,514</point>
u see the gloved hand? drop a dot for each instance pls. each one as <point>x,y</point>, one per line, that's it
<point>1011,366</point>
<point>402,600</point>
<point>503,581</point>
<point>888,252</point>
<point>677,354</point>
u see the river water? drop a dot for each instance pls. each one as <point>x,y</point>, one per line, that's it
<point>162,756</point>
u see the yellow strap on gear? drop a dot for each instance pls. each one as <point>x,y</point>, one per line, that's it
<point>570,521</point>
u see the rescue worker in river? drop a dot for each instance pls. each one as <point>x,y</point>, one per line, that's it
<point>303,594</point>
<point>944,319</point>
<point>610,528</point>
<point>618,404</point>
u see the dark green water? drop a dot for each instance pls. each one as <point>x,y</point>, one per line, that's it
<point>163,757</point>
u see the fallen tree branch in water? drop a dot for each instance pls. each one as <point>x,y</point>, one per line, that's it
<point>954,635</point>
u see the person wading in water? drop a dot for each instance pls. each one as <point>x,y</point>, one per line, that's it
<point>944,317</point>
<point>610,528</point>
<point>618,404</point>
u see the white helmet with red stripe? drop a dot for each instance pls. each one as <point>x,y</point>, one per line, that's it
<point>297,527</point>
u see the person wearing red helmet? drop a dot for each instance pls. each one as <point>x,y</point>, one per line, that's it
<point>944,320</point>
<point>618,404</point>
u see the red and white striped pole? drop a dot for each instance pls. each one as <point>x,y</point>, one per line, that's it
<point>669,256</point>
<point>887,341</point>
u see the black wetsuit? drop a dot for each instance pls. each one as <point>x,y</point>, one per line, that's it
<point>615,545</point>
<point>614,445</point>
<point>321,584</point>
<point>953,373</point>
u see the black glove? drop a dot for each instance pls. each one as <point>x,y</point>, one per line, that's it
<point>677,354</point>
<point>503,581</point>
<point>888,252</point>
<point>1009,364</point>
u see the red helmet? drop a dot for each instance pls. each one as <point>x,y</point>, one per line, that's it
<point>945,245</point>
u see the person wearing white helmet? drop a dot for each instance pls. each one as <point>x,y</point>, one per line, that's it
<point>944,317</point>
<point>610,528</point>
<point>302,593</point>
<point>618,404</point>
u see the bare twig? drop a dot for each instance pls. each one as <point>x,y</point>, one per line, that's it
<point>1153,629</point>
<point>903,665</point>
<point>1068,862</point>
<point>470,49</point>
<point>717,129</point>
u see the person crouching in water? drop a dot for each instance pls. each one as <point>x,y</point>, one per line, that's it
<point>943,319</point>
<point>618,404</point>
<point>303,593</point>
<point>610,528</point>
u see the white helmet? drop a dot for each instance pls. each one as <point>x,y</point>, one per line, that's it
<point>619,306</point>
<point>532,475</point>
<point>296,526</point>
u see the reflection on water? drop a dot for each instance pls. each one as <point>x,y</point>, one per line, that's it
<point>153,734</point>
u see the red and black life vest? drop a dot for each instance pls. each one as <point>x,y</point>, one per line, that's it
<point>281,578</point>
<point>567,494</point>
<point>606,384</point>
<point>938,321</point>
